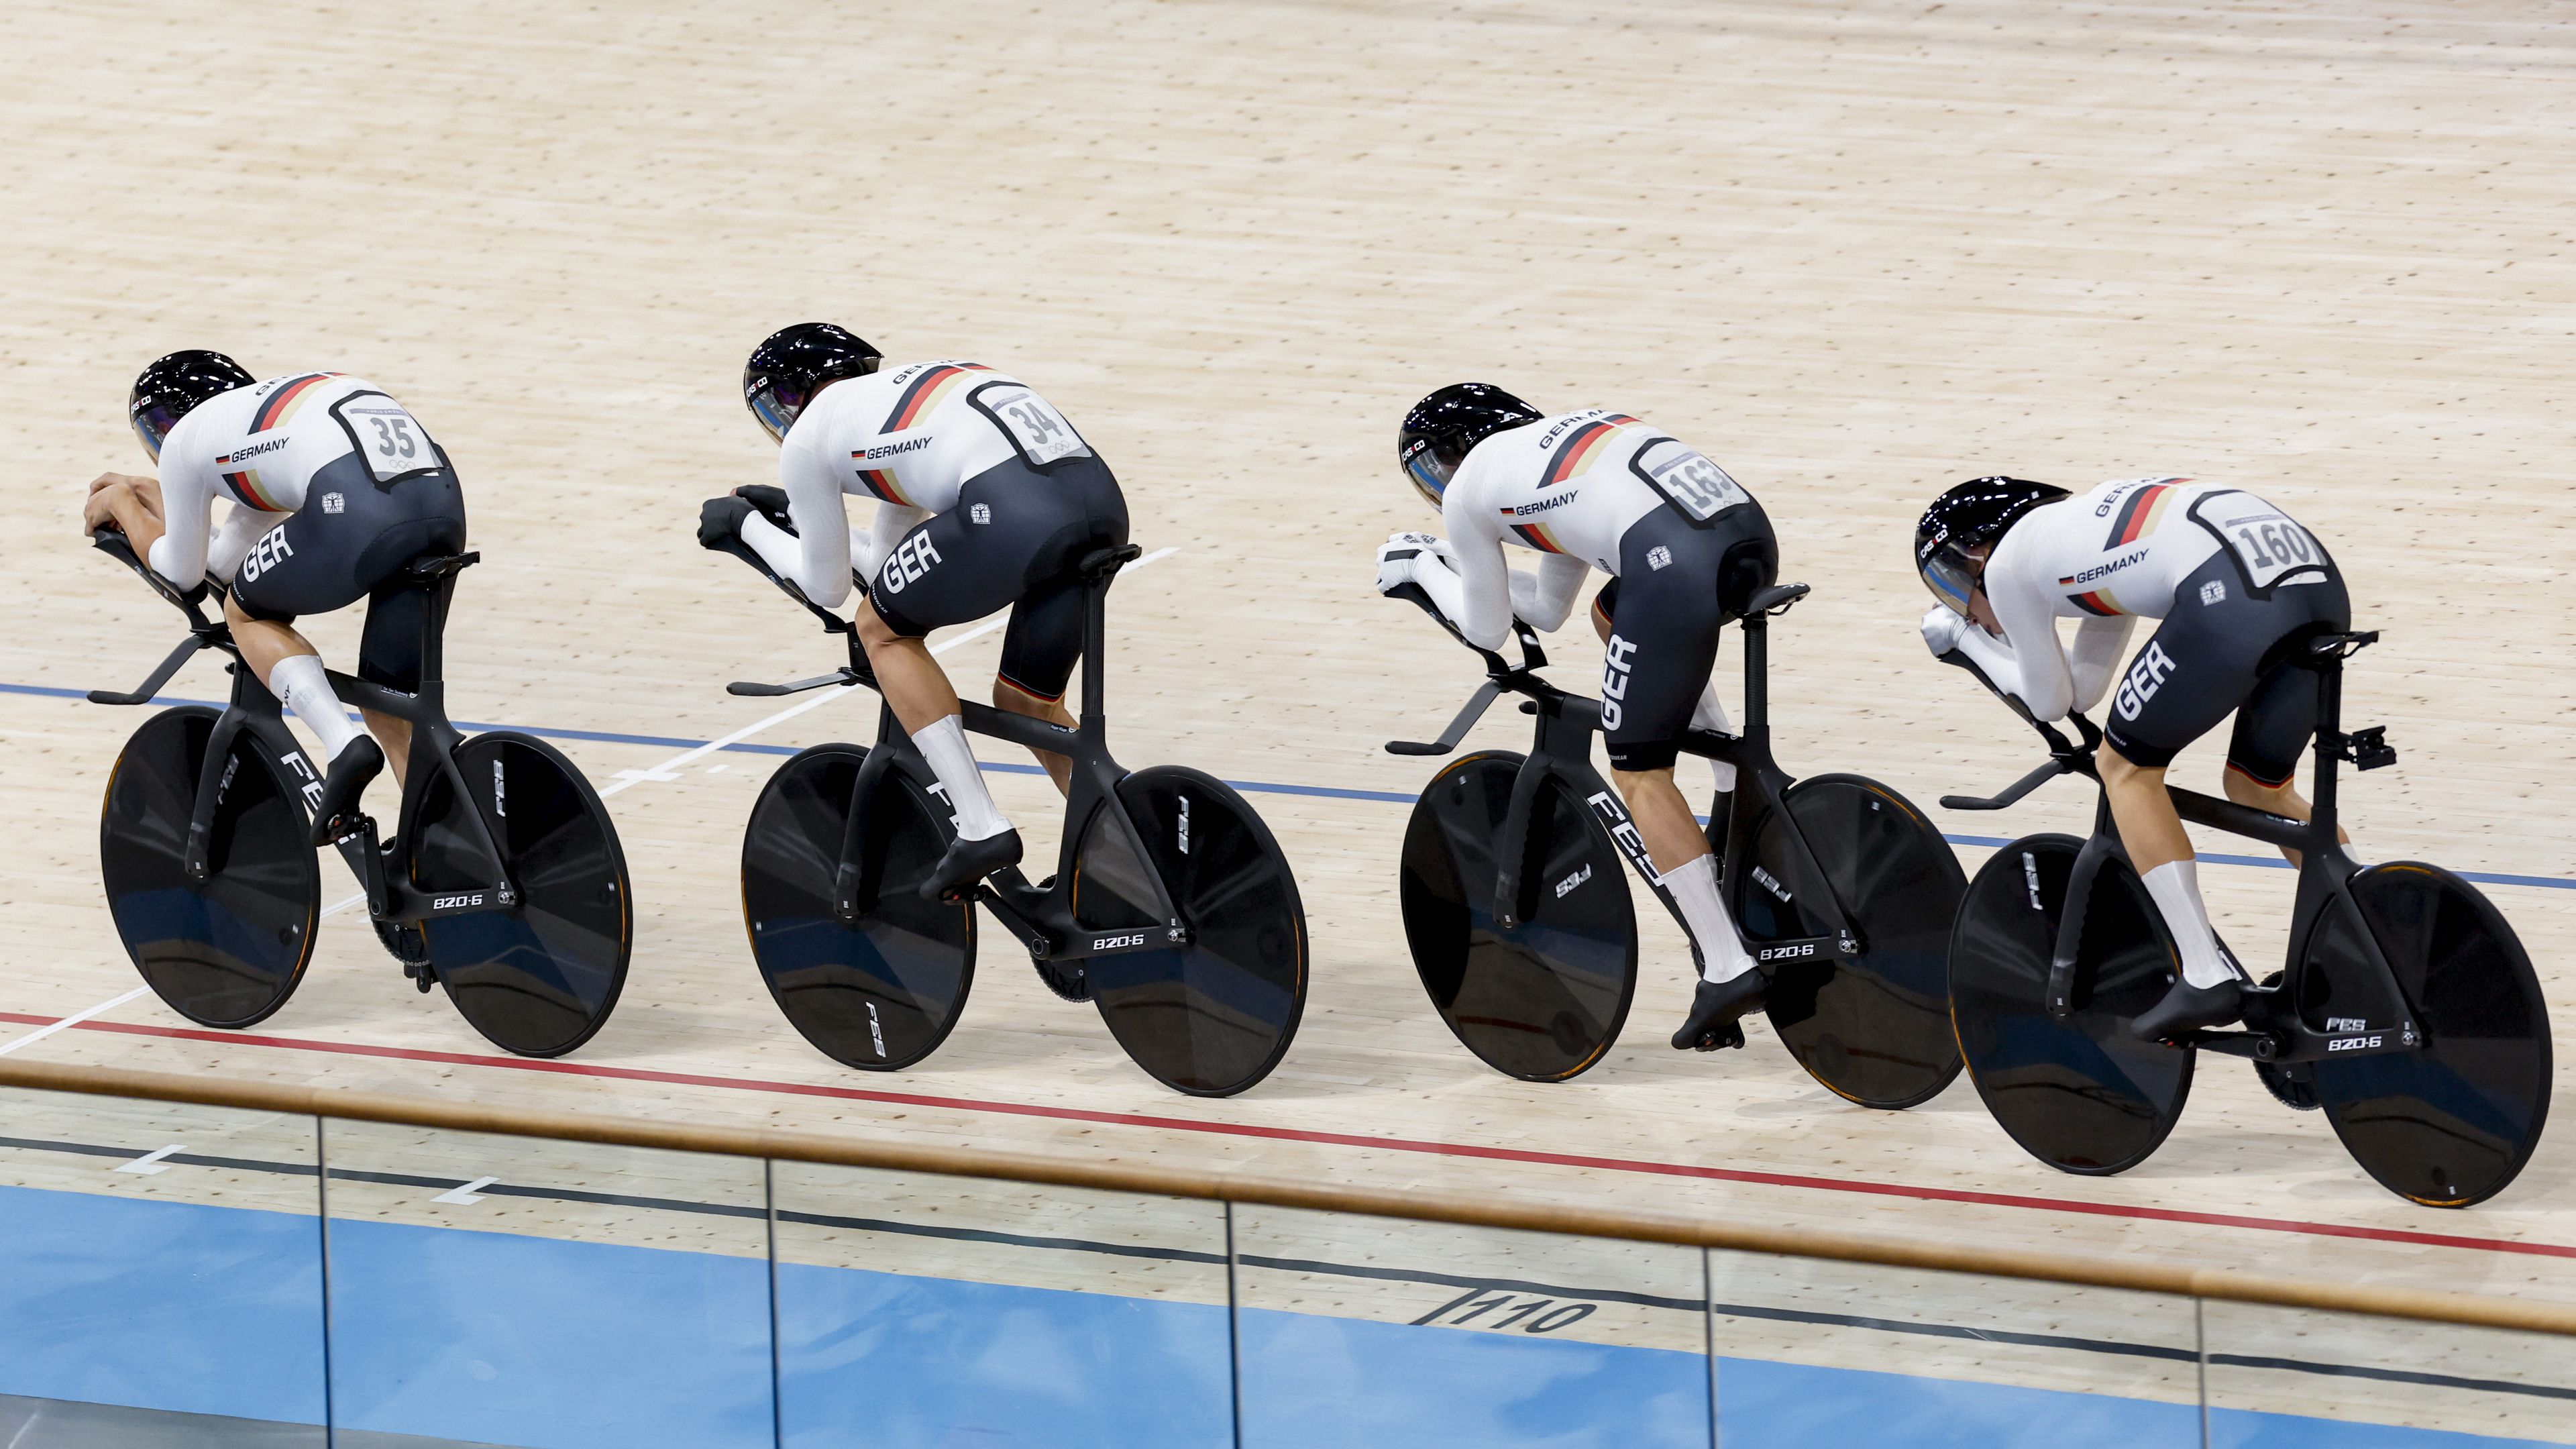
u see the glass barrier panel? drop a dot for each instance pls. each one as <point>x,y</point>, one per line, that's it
<point>917,1310</point>
<point>160,1275</point>
<point>1811,1351</point>
<point>2294,1378</point>
<point>557,1295</point>
<point>1359,1330</point>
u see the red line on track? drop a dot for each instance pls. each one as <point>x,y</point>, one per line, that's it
<point>1334,1139</point>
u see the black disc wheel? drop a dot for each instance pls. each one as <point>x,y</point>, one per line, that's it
<point>881,990</point>
<point>229,949</point>
<point>2451,1124</point>
<point>540,976</point>
<point>1874,1029</point>
<point>1543,998</point>
<point>1213,1017</point>
<point>2079,1094</point>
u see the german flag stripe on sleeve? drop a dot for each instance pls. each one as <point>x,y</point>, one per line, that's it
<point>2139,516</point>
<point>1577,453</point>
<point>927,392</point>
<point>1537,536</point>
<point>280,408</point>
<point>880,481</point>
<point>246,487</point>
<point>2095,601</point>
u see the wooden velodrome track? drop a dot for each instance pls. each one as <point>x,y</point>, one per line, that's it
<point>1854,251</point>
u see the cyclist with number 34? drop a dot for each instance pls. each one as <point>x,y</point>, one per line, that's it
<point>2238,587</point>
<point>1686,548</point>
<point>986,498</point>
<point>334,488</point>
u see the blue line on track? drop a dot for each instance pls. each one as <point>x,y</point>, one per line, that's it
<point>1257,787</point>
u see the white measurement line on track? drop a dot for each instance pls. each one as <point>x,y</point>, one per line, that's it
<point>669,769</point>
<point>68,1022</point>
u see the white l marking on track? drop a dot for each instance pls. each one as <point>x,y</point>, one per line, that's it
<point>465,1193</point>
<point>150,1162</point>
<point>75,1019</point>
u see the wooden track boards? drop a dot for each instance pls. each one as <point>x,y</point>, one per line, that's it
<point>1854,252</point>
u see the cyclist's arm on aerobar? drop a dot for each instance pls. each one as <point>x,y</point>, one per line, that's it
<point>816,557</point>
<point>188,484</point>
<point>2029,651</point>
<point>1487,597</point>
<point>240,529</point>
<point>892,522</point>
<point>1544,600</point>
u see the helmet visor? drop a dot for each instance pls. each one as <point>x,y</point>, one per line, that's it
<point>776,406</point>
<point>1951,578</point>
<point>152,423</point>
<point>1427,470</point>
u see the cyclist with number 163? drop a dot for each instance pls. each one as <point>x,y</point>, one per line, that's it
<point>985,499</point>
<point>334,487</point>
<point>2237,586</point>
<point>1686,548</point>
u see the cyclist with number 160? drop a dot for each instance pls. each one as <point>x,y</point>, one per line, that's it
<point>2238,587</point>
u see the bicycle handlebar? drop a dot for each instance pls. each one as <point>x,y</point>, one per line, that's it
<point>203,633</point>
<point>2065,757</point>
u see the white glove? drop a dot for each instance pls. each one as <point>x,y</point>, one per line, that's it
<point>1403,558</point>
<point>1942,628</point>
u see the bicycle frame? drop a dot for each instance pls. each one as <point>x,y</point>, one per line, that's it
<point>252,707</point>
<point>1040,916</point>
<point>2277,1032</point>
<point>1561,749</point>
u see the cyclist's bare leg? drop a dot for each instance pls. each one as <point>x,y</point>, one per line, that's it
<point>395,735</point>
<point>1011,698</point>
<point>1663,818</point>
<point>2152,834</point>
<point>914,685</point>
<point>2283,800</point>
<point>2150,829</point>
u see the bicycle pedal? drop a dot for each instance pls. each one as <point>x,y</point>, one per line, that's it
<point>1067,979</point>
<point>1728,1036</point>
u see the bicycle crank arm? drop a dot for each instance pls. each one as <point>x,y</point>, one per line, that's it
<point>2254,1046</point>
<point>366,861</point>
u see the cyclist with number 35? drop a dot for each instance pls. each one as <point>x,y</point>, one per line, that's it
<point>2237,586</point>
<point>1686,547</point>
<point>986,498</point>
<point>334,487</point>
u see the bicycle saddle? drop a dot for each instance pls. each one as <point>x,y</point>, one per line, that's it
<point>439,565</point>
<point>1775,598</point>
<point>1101,563</point>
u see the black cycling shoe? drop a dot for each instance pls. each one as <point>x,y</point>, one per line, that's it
<point>968,861</point>
<point>1715,1008</point>
<point>336,813</point>
<point>2189,1008</point>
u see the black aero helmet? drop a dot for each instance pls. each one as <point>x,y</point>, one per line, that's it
<point>1440,430</point>
<point>172,387</point>
<point>1972,515</point>
<point>793,363</point>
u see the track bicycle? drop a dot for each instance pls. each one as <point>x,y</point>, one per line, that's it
<point>1526,939</point>
<point>2406,1009</point>
<point>503,881</point>
<point>1171,909</point>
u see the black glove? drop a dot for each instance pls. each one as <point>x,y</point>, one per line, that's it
<point>772,503</point>
<point>720,520</point>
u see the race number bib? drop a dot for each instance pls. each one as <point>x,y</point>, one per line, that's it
<point>2268,544</point>
<point>392,441</point>
<point>1688,481</point>
<point>1035,428</point>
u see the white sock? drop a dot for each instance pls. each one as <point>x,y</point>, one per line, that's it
<point>2175,886</point>
<point>1711,715</point>
<point>1722,955</point>
<point>944,746</point>
<point>300,685</point>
